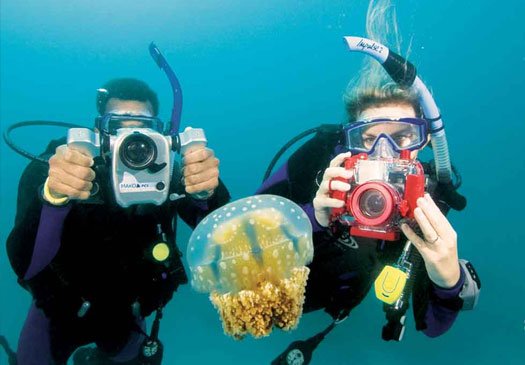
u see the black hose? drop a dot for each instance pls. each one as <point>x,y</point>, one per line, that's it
<point>285,147</point>
<point>32,123</point>
<point>11,355</point>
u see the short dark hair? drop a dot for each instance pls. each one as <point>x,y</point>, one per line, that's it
<point>127,89</point>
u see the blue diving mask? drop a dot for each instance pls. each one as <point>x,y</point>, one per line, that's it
<point>392,134</point>
<point>109,123</point>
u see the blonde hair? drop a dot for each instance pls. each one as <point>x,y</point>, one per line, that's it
<point>373,87</point>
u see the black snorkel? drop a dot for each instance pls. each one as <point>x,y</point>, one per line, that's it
<point>176,112</point>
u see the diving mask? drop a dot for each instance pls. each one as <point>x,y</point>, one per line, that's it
<point>109,123</point>
<point>369,136</point>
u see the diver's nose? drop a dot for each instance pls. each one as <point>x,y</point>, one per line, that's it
<point>383,148</point>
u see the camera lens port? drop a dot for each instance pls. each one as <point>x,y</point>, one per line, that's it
<point>372,203</point>
<point>138,151</point>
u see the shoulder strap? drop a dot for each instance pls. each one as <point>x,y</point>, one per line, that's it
<point>309,159</point>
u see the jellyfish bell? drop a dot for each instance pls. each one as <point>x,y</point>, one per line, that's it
<point>251,256</point>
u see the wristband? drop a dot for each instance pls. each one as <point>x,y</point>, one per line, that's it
<point>50,198</point>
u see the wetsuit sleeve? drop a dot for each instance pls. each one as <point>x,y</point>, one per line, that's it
<point>436,308</point>
<point>192,211</point>
<point>35,237</point>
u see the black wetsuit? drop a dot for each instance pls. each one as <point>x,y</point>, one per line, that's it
<point>96,253</point>
<point>345,267</point>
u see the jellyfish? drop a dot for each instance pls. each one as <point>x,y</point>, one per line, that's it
<point>251,257</point>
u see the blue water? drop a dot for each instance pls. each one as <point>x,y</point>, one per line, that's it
<point>253,75</point>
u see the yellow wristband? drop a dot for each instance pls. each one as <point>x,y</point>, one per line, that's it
<point>50,198</point>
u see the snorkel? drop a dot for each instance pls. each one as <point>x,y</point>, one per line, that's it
<point>175,87</point>
<point>405,75</point>
<point>102,96</point>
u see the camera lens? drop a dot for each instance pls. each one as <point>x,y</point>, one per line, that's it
<point>138,151</point>
<point>372,203</point>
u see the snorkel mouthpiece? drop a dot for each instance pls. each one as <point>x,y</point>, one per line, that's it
<point>175,87</point>
<point>405,75</point>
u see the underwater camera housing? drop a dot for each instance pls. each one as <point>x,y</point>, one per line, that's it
<point>141,159</point>
<point>383,192</point>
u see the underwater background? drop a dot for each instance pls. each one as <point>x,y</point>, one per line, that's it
<point>256,73</point>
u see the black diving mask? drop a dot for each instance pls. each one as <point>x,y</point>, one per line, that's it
<point>109,123</point>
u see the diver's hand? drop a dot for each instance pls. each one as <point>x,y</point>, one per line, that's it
<point>438,246</point>
<point>323,204</point>
<point>200,171</point>
<point>70,174</point>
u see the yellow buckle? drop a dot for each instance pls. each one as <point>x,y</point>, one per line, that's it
<point>390,283</point>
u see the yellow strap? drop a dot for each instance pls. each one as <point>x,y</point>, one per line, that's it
<point>50,198</point>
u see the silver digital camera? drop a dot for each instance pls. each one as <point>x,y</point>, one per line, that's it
<point>140,159</point>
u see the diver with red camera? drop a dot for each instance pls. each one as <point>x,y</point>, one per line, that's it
<point>369,208</point>
<point>378,212</point>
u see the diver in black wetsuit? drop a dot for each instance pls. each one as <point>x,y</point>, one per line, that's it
<point>344,267</point>
<point>95,269</point>
<point>391,117</point>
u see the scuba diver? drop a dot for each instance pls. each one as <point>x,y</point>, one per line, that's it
<point>94,239</point>
<point>370,202</point>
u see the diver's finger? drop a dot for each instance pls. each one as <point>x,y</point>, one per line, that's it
<point>70,180</point>
<point>196,154</point>
<point>430,234</point>
<point>338,160</point>
<point>333,172</point>
<point>76,157</point>
<point>64,168</point>
<point>207,186</point>
<point>60,150</point>
<point>64,189</point>
<point>333,184</point>
<point>198,167</point>
<point>201,177</point>
<point>321,202</point>
<point>80,172</point>
<point>65,158</point>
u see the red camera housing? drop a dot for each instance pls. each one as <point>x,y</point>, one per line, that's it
<point>377,205</point>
